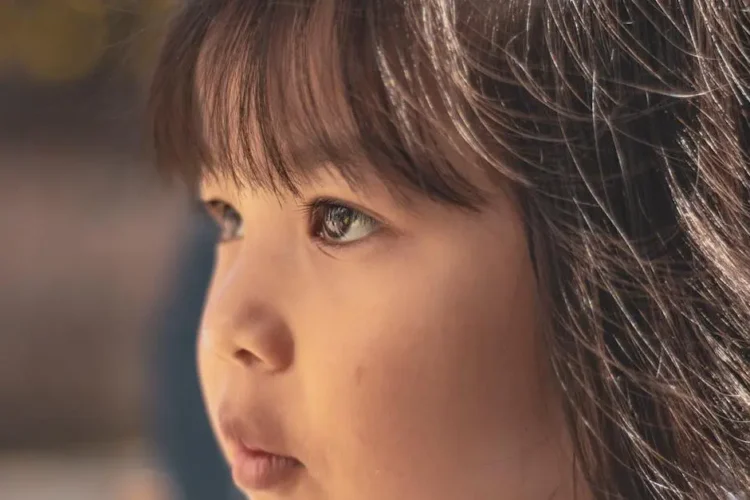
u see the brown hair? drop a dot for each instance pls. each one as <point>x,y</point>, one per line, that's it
<point>621,124</point>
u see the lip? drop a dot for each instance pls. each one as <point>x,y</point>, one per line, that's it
<point>258,470</point>
<point>256,465</point>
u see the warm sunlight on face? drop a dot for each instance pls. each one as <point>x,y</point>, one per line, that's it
<point>354,348</point>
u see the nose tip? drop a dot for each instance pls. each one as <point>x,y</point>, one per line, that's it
<point>244,315</point>
<point>253,337</point>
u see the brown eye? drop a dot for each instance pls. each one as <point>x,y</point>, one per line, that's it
<point>338,224</point>
<point>227,218</point>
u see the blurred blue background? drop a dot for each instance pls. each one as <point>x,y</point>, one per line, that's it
<point>102,268</point>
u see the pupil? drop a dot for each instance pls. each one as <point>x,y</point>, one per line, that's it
<point>339,220</point>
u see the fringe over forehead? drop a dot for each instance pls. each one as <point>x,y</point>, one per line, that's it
<point>263,92</point>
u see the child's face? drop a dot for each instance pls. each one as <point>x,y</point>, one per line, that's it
<point>406,364</point>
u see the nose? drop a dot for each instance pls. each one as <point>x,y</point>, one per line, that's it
<point>242,321</point>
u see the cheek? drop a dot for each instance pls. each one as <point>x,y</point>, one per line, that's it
<point>433,365</point>
<point>215,368</point>
<point>213,361</point>
<point>210,369</point>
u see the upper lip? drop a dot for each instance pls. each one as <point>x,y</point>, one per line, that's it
<point>251,436</point>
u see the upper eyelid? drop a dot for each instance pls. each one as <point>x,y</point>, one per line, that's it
<point>223,196</point>
<point>213,206</point>
<point>208,206</point>
<point>215,200</point>
<point>210,203</point>
<point>333,200</point>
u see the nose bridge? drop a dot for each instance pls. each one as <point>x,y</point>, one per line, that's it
<point>244,318</point>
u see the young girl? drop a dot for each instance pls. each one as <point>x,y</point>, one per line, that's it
<point>471,249</point>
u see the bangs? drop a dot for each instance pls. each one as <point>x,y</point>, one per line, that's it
<point>264,93</point>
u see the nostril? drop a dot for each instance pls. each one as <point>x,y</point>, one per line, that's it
<point>245,357</point>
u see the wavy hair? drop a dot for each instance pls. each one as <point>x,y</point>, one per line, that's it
<point>622,125</point>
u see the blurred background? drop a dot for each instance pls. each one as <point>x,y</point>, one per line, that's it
<point>92,244</point>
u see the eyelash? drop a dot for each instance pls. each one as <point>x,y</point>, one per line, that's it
<point>315,212</point>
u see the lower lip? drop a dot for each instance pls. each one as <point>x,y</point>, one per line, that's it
<point>257,470</point>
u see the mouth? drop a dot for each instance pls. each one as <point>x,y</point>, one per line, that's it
<point>256,467</point>
<point>260,470</point>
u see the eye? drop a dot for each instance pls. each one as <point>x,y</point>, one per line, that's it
<point>227,218</point>
<point>335,223</point>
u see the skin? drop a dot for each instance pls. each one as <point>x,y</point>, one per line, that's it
<point>406,365</point>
